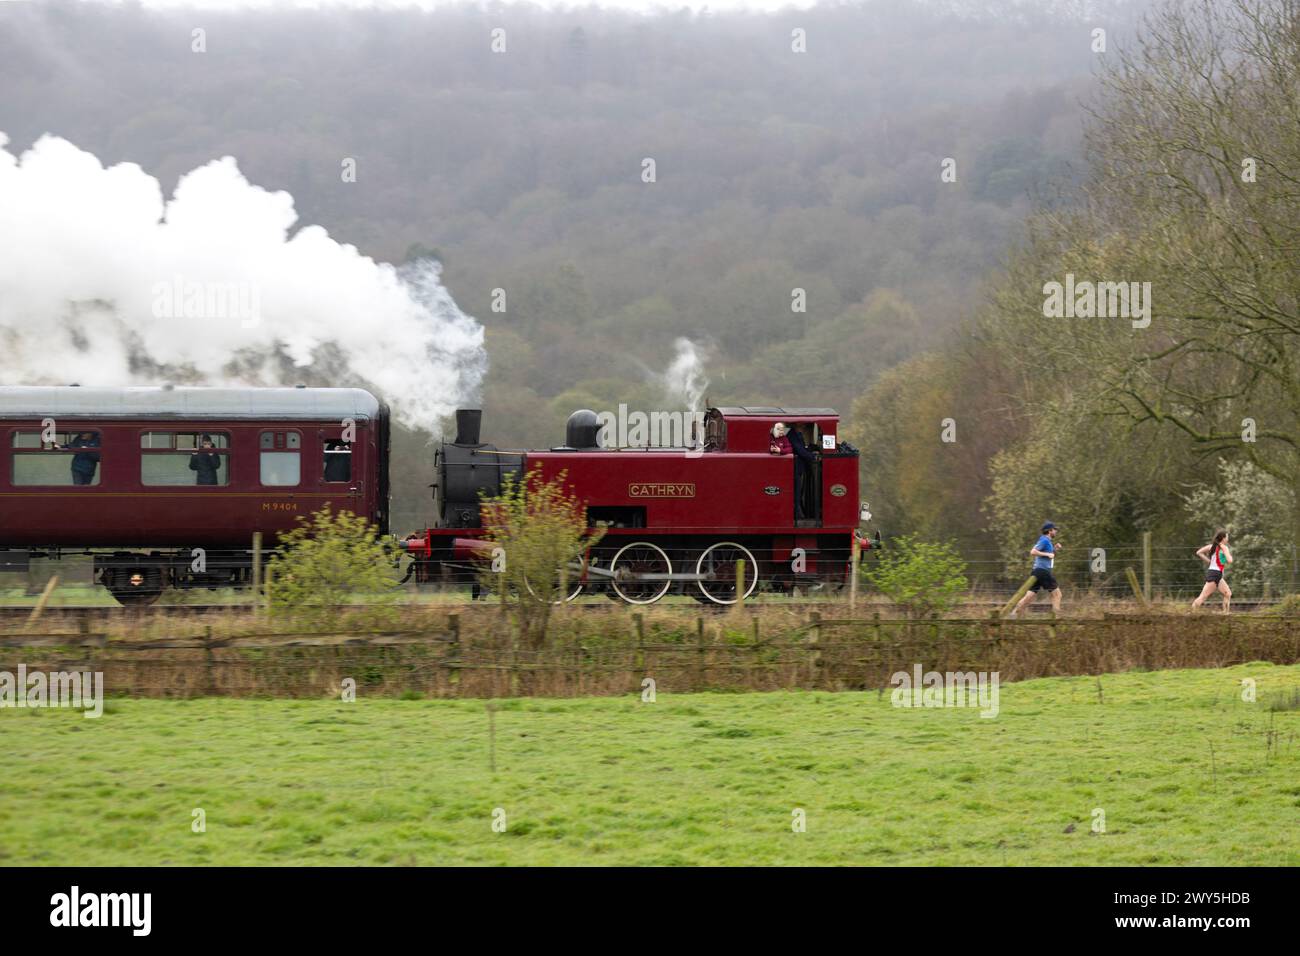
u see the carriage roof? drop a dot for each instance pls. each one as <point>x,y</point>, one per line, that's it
<point>309,404</point>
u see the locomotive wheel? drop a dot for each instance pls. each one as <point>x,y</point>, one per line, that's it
<point>575,587</point>
<point>637,558</point>
<point>717,570</point>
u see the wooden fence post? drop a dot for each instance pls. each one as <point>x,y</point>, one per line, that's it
<point>638,653</point>
<point>1137,588</point>
<point>209,677</point>
<point>814,650</point>
<point>1015,598</point>
<point>1146,566</point>
<point>699,661</point>
<point>855,557</point>
<point>257,571</point>
<point>39,609</point>
<point>740,584</point>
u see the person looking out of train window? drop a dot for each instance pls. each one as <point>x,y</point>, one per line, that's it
<point>84,463</point>
<point>338,460</point>
<point>205,462</point>
<point>780,444</point>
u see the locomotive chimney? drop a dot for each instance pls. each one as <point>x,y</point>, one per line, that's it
<point>468,421</point>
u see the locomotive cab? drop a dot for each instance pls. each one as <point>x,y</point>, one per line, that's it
<point>748,429</point>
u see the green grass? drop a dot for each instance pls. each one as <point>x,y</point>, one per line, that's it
<point>690,779</point>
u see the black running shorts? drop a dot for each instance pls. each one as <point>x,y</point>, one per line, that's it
<point>1043,578</point>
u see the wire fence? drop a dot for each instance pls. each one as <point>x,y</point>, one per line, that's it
<point>1164,572</point>
<point>635,653</point>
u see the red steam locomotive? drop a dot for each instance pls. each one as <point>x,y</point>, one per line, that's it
<point>677,519</point>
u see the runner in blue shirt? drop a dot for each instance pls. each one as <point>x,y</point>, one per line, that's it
<point>1044,552</point>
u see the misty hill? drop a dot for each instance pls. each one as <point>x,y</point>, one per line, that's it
<point>522,170</point>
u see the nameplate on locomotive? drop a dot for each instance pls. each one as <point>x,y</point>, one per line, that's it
<point>656,489</point>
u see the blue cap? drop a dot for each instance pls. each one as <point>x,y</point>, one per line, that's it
<point>1047,526</point>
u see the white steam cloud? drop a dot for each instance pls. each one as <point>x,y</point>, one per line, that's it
<point>103,282</point>
<point>683,381</point>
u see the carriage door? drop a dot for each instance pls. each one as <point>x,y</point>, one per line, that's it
<point>340,465</point>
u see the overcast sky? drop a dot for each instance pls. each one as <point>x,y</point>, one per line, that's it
<point>644,5</point>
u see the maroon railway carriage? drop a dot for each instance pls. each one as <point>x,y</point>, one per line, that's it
<point>110,471</point>
<point>677,519</point>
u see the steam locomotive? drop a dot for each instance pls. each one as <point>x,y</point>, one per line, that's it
<point>167,487</point>
<point>676,519</point>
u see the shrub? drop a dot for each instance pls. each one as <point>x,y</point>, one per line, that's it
<point>327,564</point>
<point>923,577</point>
<point>542,528</point>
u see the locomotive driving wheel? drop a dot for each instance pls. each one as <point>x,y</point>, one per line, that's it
<point>574,579</point>
<point>630,566</point>
<point>717,571</point>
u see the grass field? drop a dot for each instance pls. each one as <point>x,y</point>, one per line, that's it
<point>1185,771</point>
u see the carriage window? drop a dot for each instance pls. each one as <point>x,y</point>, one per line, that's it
<point>338,460</point>
<point>184,458</point>
<point>280,458</point>
<point>68,458</point>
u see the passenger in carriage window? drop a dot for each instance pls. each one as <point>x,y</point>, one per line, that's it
<point>84,463</point>
<point>338,460</point>
<point>205,462</point>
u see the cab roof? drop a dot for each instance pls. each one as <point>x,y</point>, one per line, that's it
<point>771,411</point>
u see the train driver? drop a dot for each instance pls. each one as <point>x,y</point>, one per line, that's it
<point>803,462</point>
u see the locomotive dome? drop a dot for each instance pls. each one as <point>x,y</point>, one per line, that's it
<point>582,430</point>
